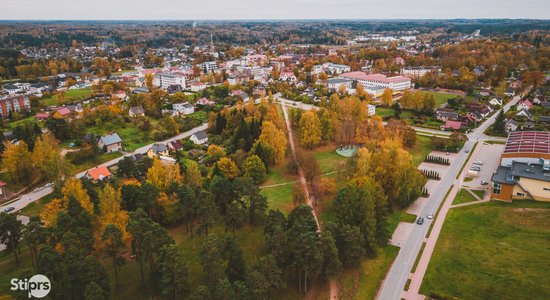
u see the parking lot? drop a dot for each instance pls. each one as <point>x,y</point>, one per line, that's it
<point>489,155</point>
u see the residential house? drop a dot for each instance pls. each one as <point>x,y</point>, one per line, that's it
<point>496,101</point>
<point>110,143</point>
<point>98,174</point>
<point>205,102</point>
<point>371,110</point>
<point>509,92</point>
<point>185,108</point>
<point>119,94</point>
<point>41,116</point>
<point>529,125</point>
<point>199,137</point>
<point>240,94</point>
<point>511,125</point>
<point>445,114</point>
<point>158,150</point>
<point>197,86</point>
<point>175,146</point>
<point>259,91</point>
<point>451,125</point>
<point>287,76</point>
<point>136,111</point>
<point>524,105</point>
<point>62,113</point>
<point>524,113</point>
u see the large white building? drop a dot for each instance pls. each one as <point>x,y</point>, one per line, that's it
<point>164,80</point>
<point>209,66</point>
<point>396,83</point>
<point>419,71</point>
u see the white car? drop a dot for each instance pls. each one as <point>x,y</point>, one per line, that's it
<point>48,185</point>
<point>479,163</point>
<point>38,189</point>
<point>430,216</point>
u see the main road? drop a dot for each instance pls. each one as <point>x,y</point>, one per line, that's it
<point>24,200</point>
<point>394,283</point>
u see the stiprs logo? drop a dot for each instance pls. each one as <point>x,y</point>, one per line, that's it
<point>37,286</point>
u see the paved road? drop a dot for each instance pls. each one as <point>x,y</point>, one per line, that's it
<point>394,283</point>
<point>24,200</point>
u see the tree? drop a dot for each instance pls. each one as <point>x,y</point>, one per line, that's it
<point>93,292</point>
<point>10,233</point>
<point>111,213</point>
<point>174,281</point>
<point>331,264</point>
<point>47,158</point>
<point>17,161</point>
<point>500,90</point>
<point>206,211</point>
<point>211,256</point>
<point>255,168</point>
<point>215,152</point>
<point>387,97</point>
<point>112,237</point>
<point>73,188</point>
<point>228,167</point>
<point>162,175</point>
<point>276,139</point>
<point>34,235</point>
<point>267,272</point>
<point>193,175</point>
<point>499,127</point>
<point>149,81</point>
<point>310,129</point>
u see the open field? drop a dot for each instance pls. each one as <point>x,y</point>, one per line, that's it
<point>463,197</point>
<point>493,250</point>
<point>440,98</point>
<point>70,96</point>
<point>421,149</point>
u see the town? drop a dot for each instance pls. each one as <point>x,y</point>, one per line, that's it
<point>340,160</point>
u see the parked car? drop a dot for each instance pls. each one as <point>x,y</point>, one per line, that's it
<point>479,162</point>
<point>8,209</point>
<point>484,182</point>
<point>430,216</point>
<point>48,184</point>
<point>38,189</point>
<point>475,168</point>
<point>467,150</point>
<point>420,221</point>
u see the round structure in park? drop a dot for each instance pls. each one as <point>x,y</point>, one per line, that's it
<point>347,150</point>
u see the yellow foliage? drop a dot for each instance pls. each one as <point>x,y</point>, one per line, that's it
<point>48,215</point>
<point>73,188</point>
<point>276,138</point>
<point>228,167</point>
<point>162,174</point>
<point>110,212</point>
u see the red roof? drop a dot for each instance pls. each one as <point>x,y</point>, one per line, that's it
<point>528,142</point>
<point>98,173</point>
<point>2,183</point>
<point>358,75</point>
<point>197,83</point>
<point>42,115</point>
<point>452,124</point>
<point>526,102</point>
<point>64,111</point>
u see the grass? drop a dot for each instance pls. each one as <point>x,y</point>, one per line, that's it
<point>493,250</point>
<point>479,193</point>
<point>422,148</point>
<point>463,196</point>
<point>279,197</point>
<point>14,124</point>
<point>398,216</point>
<point>440,98</point>
<point>105,157</point>
<point>495,142</point>
<point>34,208</point>
<point>329,160</point>
<point>70,96</point>
<point>417,260</point>
<point>364,282</point>
<point>468,179</point>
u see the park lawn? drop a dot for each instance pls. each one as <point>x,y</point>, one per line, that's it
<point>479,193</point>
<point>279,197</point>
<point>494,250</point>
<point>14,124</point>
<point>385,111</point>
<point>440,98</point>
<point>364,282</point>
<point>463,196</point>
<point>329,160</point>
<point>34,208</point>
<point>70,96</point>
<point>398,216</point>
<point>421,149</point>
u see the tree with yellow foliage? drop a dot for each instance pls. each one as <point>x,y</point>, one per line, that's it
<point>47,158</point>
<point>168,209</point>
<point>228,167</point>
<point>275,138</point>
<point>110,212</point>
<point>193,175</point>
<point>149,81</point>
<point>310,129</point>
<point>387,97</point>
<point>16,159</point>
<point>48,215</point>
<point>162,175</point>
<point>73,188</point>
<point>215,152</point>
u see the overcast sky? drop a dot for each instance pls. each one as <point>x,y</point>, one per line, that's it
<point>270,9</point>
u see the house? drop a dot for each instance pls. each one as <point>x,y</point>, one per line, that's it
<point>205,101</point>
<point>287,76</point>
<point>75,108</point>
<point>185,108</point>
<point>98,174</point>
<point>199,137</point>
<point>110,143</point>
<point>197,86</point>
<point>41,116</point>
<point>136,111</point>
<point>538,100</point>
<point>3,189</point>
<point>444,115</point>
<point>528,125</point>
<point>240,94</point>
<point>524,113</point>
<point>371,110</point>
<point>509,92</point>
<point>119,94</point>
<point>511,125</point>
<point>259,91</point>
<point>451,125</point>
<point>524,105</point>
<point>158,150</point>
<point>11,89</point>
<point>175,145</point>
<point>62,113</point>
<point>496,101</point>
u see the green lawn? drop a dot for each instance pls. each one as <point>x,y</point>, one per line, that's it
<point>329,160</point>
<point>105,157</point>
<point>493,250</point>
<point>440,98</point>
<point>132,137</point>
<point>279,197</point>
<point>463,197</point>
<point>14,124</point>
<point>398,216</point>
<point>34,208</point>
<point>421,149</point>
<point>479,193</point>
<point>70,95</point>
<point>385,111</point>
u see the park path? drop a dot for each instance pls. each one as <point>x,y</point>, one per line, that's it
<point>333,285</point>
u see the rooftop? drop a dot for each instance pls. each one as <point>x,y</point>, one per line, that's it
<point>528,142</point>
<point>510,174</point>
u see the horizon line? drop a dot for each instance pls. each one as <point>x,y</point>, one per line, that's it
<point>268,19</point>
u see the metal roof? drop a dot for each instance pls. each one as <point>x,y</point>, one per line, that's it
<point>528,142</point>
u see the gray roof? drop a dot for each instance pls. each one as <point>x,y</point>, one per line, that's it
<point>545,119</point>
<point>137,110</point>
<point>511,174</point>
<point>338,80</point>
<point>159,148</point>
<point>200,135</point>
<point>111,139</point>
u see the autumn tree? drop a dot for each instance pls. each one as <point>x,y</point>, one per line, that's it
<point>111,213</point>
<point>161,175</point>
<point>228,167</point>
<point>254,168</point>
<point>310,129</point>
<point>276,139</point>
<point>193,175</point>
<point>387,97</point>
<point>112,238</point>
<point>17,161</point>
<point>47,158</point>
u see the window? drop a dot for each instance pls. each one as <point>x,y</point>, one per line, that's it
<point>520,194</point>
<point>546,189</point>
<point>496,188</point>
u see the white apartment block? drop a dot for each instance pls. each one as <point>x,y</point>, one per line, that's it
<point>396,83</point>
<point>164,80</point>
<point>419,71</point>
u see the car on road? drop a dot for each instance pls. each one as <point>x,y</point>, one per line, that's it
<point>8,209</point>
<point>48,184</point>
<point>420,221</point>
<point>467,150</point>
<point>430,216</point>
<point>484,182</point>
<point>38,189</point>
<point>478,162</point>
<point>475,168</point>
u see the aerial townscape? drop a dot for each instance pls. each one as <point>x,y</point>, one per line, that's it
<point>275,159</point>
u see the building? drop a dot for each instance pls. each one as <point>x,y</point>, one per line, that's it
<point>62,113</point>
<point>110,143</point>
<point>98,174</point>
<point>14,104</point>
<point>335,69</point>
<point>208,66</point>
<point>414,72</point>
<point>524,105</point>
<point>158,150</point>
<point>372,110</point>
<point>136,111</point>
<point>336,83</point>
<point>165,80</point>
<point>524,171</point>
<point>396,83</point>
<point>175,146</point>
<point>451,125</point>
<point>184,108</point>
<point>511,125</point>
<point>287,76</point>
<point>199,137</point>
<point>444,115</point>
<point>197,86</point>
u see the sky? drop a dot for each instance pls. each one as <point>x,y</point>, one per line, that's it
<point>270,9</point>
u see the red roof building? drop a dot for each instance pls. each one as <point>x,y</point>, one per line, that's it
<point>98,173</point>
<point>455,125</point>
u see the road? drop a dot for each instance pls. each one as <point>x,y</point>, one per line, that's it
<point>24,200</point>
<point>394,283</point>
